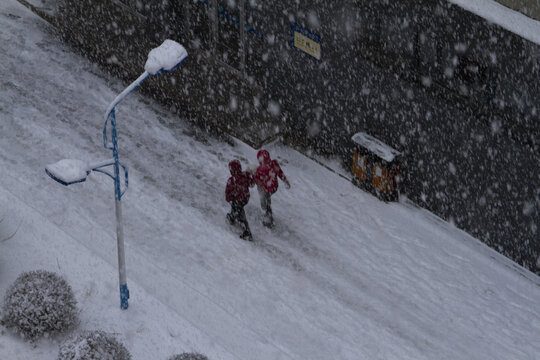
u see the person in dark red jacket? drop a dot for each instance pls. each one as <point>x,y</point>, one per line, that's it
<point>266,178</point>
<point>237,194</point>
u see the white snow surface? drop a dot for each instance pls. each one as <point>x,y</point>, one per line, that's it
<point>503,16</point>
<point>342,276</point>
<point>165,57</point>
<point>376,146</point>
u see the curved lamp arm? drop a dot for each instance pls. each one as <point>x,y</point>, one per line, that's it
<point>125,93</point>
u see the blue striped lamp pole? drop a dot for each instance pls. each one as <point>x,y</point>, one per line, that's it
<point>165,58</point>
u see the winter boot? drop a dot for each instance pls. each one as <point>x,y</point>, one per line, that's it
<point>268,220</point>
<point>246,235</point>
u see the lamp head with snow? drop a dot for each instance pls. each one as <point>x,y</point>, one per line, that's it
<point>165,58</point>
<point>68,171</point>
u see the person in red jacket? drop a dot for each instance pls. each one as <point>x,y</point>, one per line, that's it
<point>237,194</point>
<point>266,178</point>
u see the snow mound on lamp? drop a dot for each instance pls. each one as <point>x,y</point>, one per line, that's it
<point>165,58</point>
<point>68,171</point>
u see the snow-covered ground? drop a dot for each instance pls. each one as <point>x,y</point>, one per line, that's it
<point>343,276</point>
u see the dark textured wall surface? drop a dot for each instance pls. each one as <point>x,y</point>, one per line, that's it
<point>458,96</point>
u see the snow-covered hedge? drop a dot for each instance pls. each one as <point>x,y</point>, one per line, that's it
<point>39,303</point>
<point>97,345</point>
<point>188,356</point>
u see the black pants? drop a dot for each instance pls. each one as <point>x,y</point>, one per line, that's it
<point>238,215</point>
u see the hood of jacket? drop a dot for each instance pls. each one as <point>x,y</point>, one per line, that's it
<point>263,156</point>
<point>235,167</point>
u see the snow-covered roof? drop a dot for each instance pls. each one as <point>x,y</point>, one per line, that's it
<point>376,146</point>
<point>507,18</point>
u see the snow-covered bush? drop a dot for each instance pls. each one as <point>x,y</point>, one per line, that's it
<point>92,345</point>
<point>39,303</point>
<point>188,356</point>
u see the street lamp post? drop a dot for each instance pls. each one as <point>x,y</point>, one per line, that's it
<point>165,58</point>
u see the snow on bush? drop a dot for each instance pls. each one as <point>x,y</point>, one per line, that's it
<point>188,356</point>
<point>39,303</point>
<point>96,344</point>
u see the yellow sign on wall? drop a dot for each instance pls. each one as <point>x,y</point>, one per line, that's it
<point>305,41</point>
<point>307,45</point>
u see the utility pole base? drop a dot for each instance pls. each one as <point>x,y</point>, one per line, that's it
<point>124,296</point>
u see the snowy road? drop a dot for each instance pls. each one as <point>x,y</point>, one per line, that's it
<point>343,276</point>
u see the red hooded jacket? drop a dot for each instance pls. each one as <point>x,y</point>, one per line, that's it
<point>268,172</point>
<point>238,184</point>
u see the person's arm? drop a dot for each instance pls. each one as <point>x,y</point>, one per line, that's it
<point>228,190</point>
<point>257,177</point>
<point>282,176</point>
<point>250,178</point>
<point>287,183</point>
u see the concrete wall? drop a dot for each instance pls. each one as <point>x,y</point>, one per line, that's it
<point>455,94</point>
<point>118,35</point>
